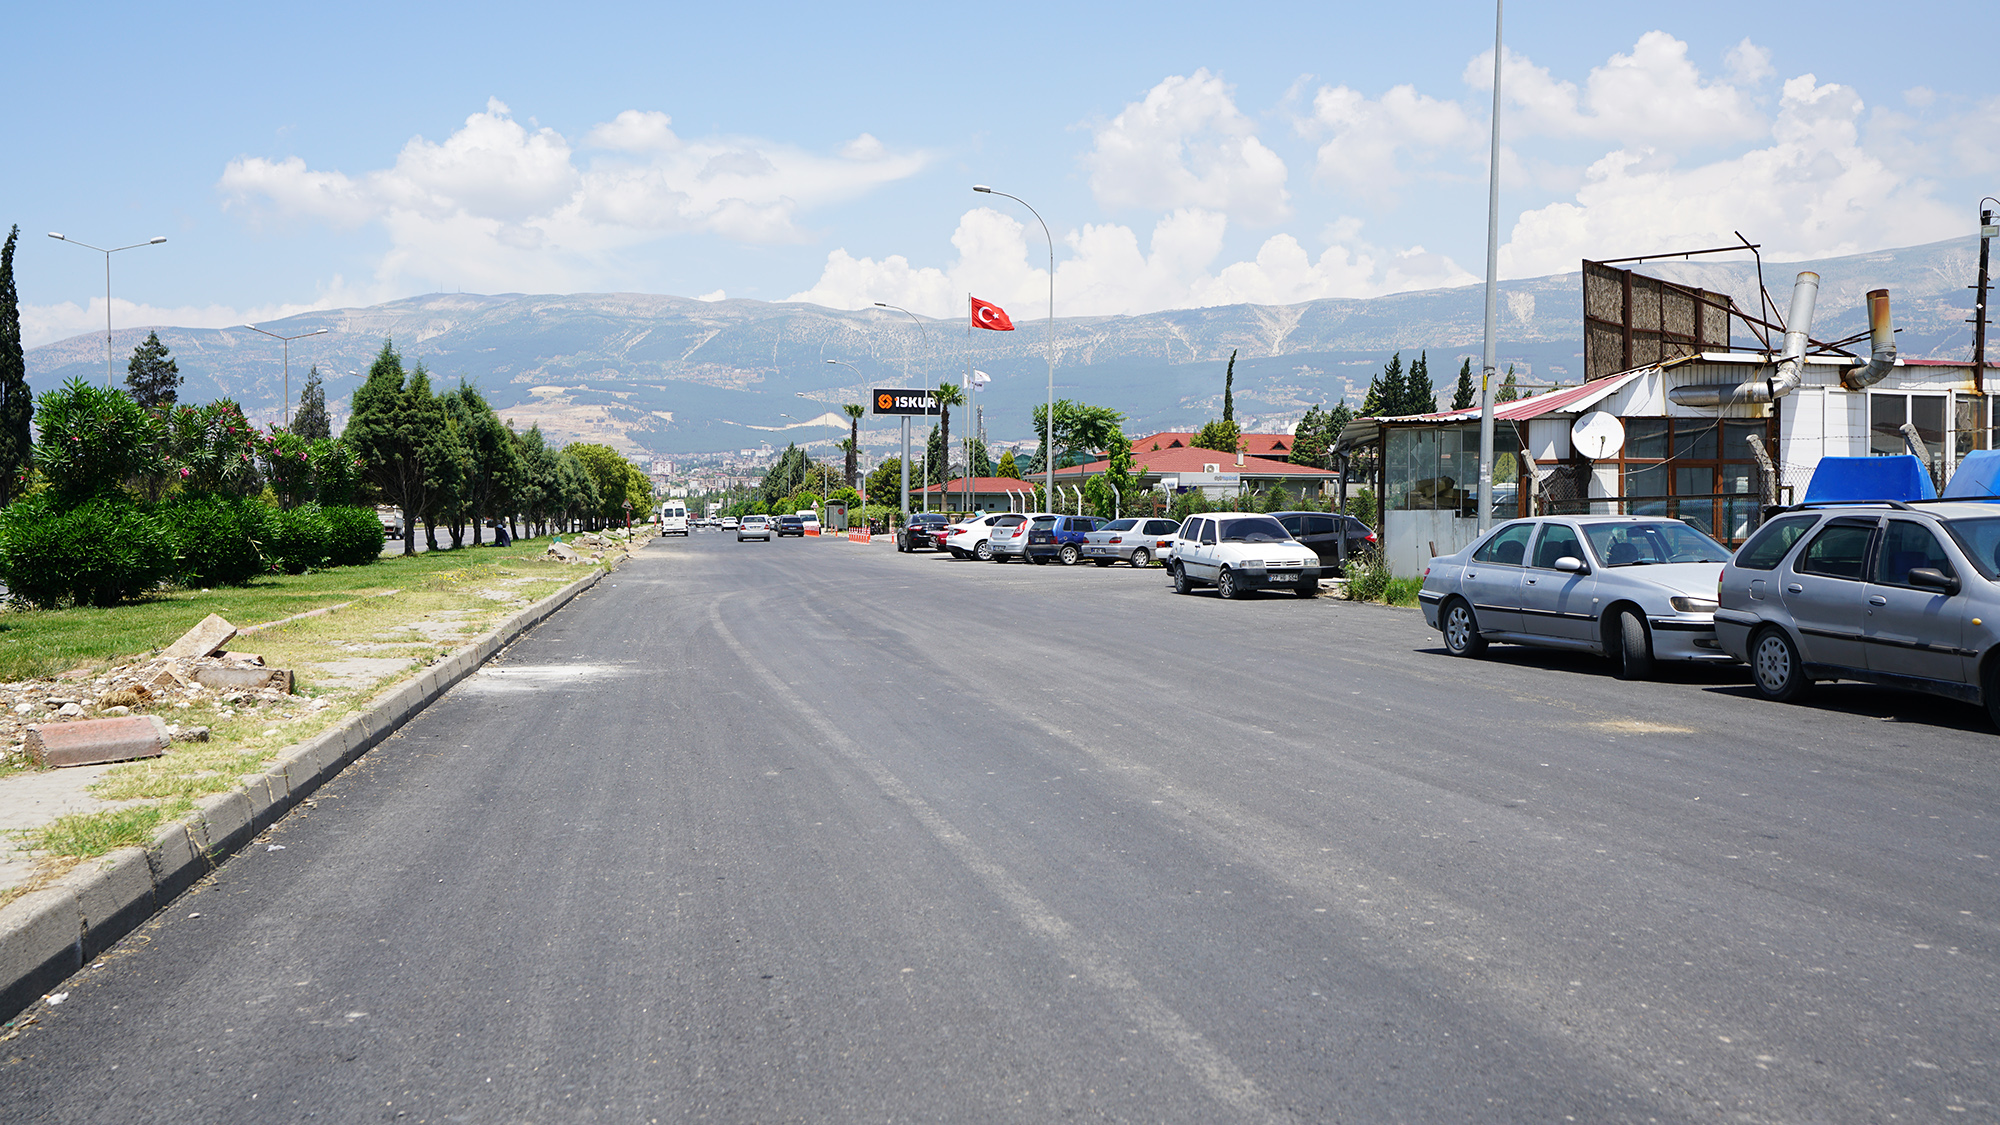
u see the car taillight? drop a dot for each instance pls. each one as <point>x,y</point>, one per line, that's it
<point>1427,572</point>
<point>1118,539</point>
<point>1371,537</point>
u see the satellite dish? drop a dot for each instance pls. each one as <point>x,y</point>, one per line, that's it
<point>1598,435</point>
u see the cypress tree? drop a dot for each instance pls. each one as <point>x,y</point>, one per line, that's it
<point>311,420</point>
<point>152,376</point>
<point>1395,389</point>
<point>1466,396</point>
<point>1509,391</point>
<point>17,405</point>
<point>1420,397</point>
<point>1229,389</point>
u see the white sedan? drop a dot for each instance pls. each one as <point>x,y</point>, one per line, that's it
<point>972,539</point>
<point>1237,553</point>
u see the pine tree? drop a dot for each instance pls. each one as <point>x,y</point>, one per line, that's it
<point>1420,397</point>
<point>1509,391</point>
<point>1336,421</point>
<point>1229,389</point>
<point>1309,438</point>
<point>1008,468</point>
<point>152,376</point>
<point>17,405</point>
<point>1371,403</point>
<point>1466,396</point>
<point>311,420</point>
<point>389,437</point>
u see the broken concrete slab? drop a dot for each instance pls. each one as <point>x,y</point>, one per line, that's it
<point>207,637</point>
<point>562,552</point>
<point>222,677</point>
<point>93,741</point>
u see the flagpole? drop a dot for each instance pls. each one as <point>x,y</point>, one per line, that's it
<point>1048,421</point>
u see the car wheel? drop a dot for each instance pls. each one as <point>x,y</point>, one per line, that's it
<point>983,552</point>
<point>1225,585</point>
<point>1775,666</point>
<point>1633,651</point>
<point>1461,629</point>
<point>1309,589</point>
<point>1182,584</point>
<point>1142,557</point>
<point>1069,555</point>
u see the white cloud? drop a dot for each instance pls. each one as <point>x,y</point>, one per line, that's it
<point>1363,154</point>
<point>1812,191</point>
<point>44,324</point>
<point>1748,63</point>
<point>1654,95</point>
<point>1187,145</point>
<point>500,207</point>
<point>1108,273</point>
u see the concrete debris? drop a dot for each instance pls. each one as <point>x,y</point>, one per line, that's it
<point>191,734</point>
<point>227,677</point>
<point>97,740</point>
<point>158,685</point>
<point>562,552</point>
<point>203,639</point>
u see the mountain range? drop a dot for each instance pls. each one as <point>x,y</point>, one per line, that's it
<point>666,376</point>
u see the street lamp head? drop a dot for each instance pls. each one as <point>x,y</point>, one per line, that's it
<point>156,240</point>
<point>982,187</point>
<point>57,237</point>
<point>881,304</point>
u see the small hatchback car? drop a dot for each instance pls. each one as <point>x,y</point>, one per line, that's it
<point>1633,588</point>
<point>1237,553</point>
<point>1894,594</point>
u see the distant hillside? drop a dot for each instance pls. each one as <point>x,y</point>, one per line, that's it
<point>673,375</point>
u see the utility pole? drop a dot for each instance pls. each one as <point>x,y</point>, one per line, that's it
<point>1987,232</point>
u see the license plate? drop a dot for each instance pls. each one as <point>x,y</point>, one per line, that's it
<point>1284,578</point>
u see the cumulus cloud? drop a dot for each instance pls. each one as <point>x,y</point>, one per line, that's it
<point>45,324</point>
<point>1108,272</point>
<point>1812,191</point>
<point>510,207</point>
<point>1654,95</point>
<point>1187,145</point>
<point>1371,137</point>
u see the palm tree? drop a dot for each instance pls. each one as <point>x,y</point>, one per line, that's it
<point>853,410</point>
<point>948,396</point>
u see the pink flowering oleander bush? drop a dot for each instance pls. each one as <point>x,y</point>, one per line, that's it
<point>93,440</point>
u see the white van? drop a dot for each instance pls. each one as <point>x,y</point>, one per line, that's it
<point>673,518</point>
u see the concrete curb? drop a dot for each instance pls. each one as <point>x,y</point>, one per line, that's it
<point>47,935</point>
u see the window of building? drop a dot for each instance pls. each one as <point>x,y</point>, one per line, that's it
<point>1697,469</point>
<point>1888,411</point>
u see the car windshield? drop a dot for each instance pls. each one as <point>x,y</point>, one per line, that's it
<point>1120,525</point>
<point>1254,529</point>
<point>1660,541</point>
<point>1980,540</point>
<point>1043,523</point>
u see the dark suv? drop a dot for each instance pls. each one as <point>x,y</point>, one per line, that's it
<point>1059,538</point>
<point>921,533</point>
<point>1333,537</point>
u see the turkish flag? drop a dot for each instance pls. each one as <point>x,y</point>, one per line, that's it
<point>986,314</point>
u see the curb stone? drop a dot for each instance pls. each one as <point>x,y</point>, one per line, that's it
<point>49,934</point>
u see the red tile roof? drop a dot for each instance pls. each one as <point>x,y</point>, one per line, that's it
<point>1155,462</point>
<point>1278,446</point>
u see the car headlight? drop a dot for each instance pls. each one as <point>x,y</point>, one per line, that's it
<point>1692,605</point>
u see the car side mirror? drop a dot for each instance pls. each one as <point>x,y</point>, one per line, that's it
<point>1570,564</point>
<point>1932,578</point>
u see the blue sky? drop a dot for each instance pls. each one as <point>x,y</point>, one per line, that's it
<point>1182,154</point>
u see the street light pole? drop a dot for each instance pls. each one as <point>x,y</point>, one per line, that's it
<point>1049,422</point>
<point>288,363</point>
<point>153,241</point>
<point>1490,357</point>
<point>860,470</point>
<point>906,445</point>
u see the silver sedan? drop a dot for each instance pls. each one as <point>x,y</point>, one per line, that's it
<point>1636,589</point>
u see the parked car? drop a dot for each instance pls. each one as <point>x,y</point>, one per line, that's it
<point>1638,590</point>
<point>971,539</point>
<point>1332,536</point>
<point>1137,541</point>
<point>754,527</point>
<point>1011,540</point>
<point>789,525</point>
<point>920,534</point>
<point>809,518</point>
<point>1237,553</point>
<point>729,523</point>
<point>1892,594</point>
<point>1062,540</point>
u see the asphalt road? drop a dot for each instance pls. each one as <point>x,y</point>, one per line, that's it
<point>807,831</point>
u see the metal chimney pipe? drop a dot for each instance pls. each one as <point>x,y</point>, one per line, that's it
<point>1791,357</point>
<point>1882,344</point>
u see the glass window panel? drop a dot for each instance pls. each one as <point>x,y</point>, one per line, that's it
<point>1558,540</point>
<point>1970,422</point>
<point>1694,440</point>
<point>1509,545</point>
<point>1927,411</point>
<point>1905,547</point>
<point>1646,438</point>
<point>1886,415</point>
<point>1650,480</point>
<point>1699,481</point>
<point>1774,542</point>
<point>1836,552</point>
<point>1735,443</point>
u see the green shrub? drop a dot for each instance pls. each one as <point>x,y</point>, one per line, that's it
<point>300,539</point>
<point>98,553</point>
<point>91,440</point>
<point>357,535</point>
<point>216,538</point>
<point>1367,578</point>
